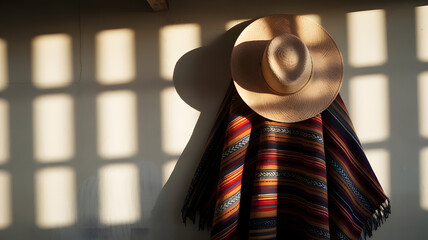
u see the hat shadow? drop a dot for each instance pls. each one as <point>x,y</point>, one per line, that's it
<point>203,74</point>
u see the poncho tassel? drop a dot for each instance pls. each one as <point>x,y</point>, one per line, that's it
<point>376,220</point>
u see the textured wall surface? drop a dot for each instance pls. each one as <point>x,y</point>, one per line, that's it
<point>105,107</point>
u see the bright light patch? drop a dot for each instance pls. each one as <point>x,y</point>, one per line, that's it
<point>53,128</point>
<point>3,64</point>
<point>380,161</point>
<point>119,194</point>
<point>175,41</point>
<point>423,178</point>
<point>423,104</point>
<point>422,33</point>
<point>55,197</point>
<point>117,124</point>
<point>167,169</point>
<point>314,17</point>
<point>178,121</point>
<point>52,61</point>
<point>4,131</point>
<point>369,107</point>
<point>232,23</point>
<point>115,56</point>
<point>5,203</point>
<point>367,38</point>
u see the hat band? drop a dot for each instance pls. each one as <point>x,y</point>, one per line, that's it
<point>286,64</point>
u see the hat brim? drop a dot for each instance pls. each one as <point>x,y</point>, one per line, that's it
<point>318,93</point>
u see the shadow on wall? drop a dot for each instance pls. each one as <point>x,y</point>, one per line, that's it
<point>201,78</point>
<point>97,105</point>
<point>71,165</point>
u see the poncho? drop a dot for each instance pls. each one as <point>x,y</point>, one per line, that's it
<point>260,179</point>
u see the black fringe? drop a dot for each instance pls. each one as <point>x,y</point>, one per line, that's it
<point>199,200</point>
<point>374,221</point>
<point>205,221</point>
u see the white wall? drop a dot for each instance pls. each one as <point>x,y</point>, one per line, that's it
<point>101,128</point>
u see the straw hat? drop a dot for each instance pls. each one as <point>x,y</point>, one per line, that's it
<point>286,68</point>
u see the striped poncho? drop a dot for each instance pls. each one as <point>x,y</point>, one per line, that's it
<point>260,179</point>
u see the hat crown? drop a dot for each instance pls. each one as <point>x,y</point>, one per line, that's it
<point>286,64</point>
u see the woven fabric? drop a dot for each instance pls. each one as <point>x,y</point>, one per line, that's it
<point>260,179</point>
